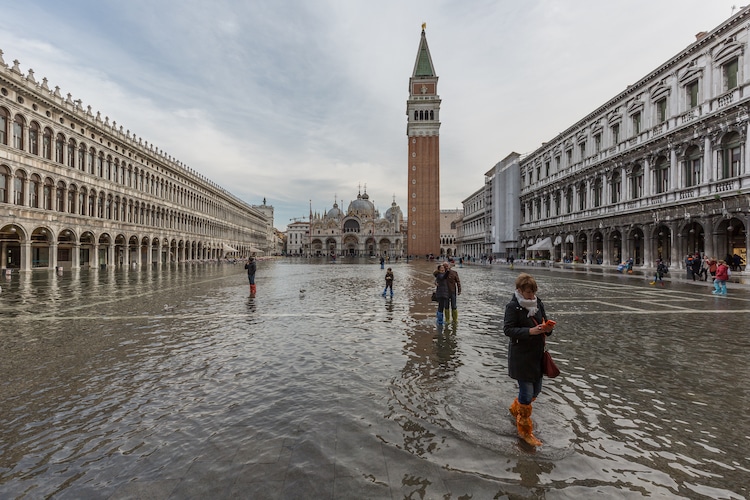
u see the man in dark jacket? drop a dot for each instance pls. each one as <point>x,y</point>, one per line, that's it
<point>454,289</point>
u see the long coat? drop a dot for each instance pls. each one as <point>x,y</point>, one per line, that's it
<point>524,351</point>
<point>441,285</point>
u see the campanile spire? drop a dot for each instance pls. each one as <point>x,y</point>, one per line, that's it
<point>423,132</point>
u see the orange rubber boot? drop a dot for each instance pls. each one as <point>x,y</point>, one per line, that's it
<point>526,426</point>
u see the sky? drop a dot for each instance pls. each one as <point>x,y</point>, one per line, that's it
<point>303,103</point>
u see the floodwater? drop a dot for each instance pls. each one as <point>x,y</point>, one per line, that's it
<point>174,383</point>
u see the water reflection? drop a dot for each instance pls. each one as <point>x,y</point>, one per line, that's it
<point>111,378</point>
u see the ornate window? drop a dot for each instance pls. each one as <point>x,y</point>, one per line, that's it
<point>693,165</point>
<point>18,125</point>
<point>731,155</point>
<point>661,175</point>
<point>34,138</point>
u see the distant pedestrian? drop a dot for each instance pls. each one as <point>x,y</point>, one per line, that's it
<point>382,262</point>
<point>388,281</point>
<point>661,270</point>
<point>713,264</point>
<point>722,275</point>
<point>697,263</point>
<point>251,267</point>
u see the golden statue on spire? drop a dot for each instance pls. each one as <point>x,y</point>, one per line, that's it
<point>424,25</point>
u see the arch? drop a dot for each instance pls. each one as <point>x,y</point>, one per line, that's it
<point>19,125</point>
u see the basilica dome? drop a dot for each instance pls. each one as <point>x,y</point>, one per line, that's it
<point>334,213</point>
<point>362,206</point>
<point>394,213</point>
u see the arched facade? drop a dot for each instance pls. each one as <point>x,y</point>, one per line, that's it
<point>658,172</point>
<point>78,191</point>
<point>358,232</point>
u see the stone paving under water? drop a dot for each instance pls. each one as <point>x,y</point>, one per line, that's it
<point>174,383</point>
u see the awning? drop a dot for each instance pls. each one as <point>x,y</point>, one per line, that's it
<point>545,244</point>
<point>558,240</point>
<point>227,248</point>
<point>569,238</point>
<point>254,250</point>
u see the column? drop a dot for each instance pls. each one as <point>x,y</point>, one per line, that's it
<point>53,255</point>
<point>111,253</point>
<point>76,262</point>
<point>648,247</point>
<point>25,256</point>
<point>94,256</point>
<point>709,169</point>
<point>674,181</point>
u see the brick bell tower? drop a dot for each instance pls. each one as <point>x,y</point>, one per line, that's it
<point>423,131</point>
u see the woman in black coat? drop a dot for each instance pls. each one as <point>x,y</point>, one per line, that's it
<point>442,292</point>
<point>524,323</point>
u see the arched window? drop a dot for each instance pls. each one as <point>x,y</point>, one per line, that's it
<point>661,175</point>
<point>92,203</point>
<point>117,170</point>
<point>582,196</point>
<point>60,196</point>
<point>35,191</point>
<point>108,169</point>
<point>693,166</point>
<point>4,118</point>
<point>18,183</point>
<point>636,183</point>
<point>82,157</point>
<point>4,183</point>
<point>82,202</point>
<point>616,187</point>
<point>108,212</point>
<point>47,144</point>
<point>90,161</point>
<point>34,138</point>
<point>100,205</point>
<point>18,125</point>
<point>72,198</point>
<point>598,192</point>
<point>731,155</point>
<point>569,201</point>
<point>49,188</point>
<point>100,165</point>
<point>72,153</point>
<point>60,149</point>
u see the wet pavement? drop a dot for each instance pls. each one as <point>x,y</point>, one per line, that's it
<point>174,383</point>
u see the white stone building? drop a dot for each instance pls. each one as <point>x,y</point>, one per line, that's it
<point>658,171</point>
<point>78,191</point>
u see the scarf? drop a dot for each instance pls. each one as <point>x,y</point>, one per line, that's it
<point>530,305</point>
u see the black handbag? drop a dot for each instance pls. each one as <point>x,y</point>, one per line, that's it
<point>434,297</point>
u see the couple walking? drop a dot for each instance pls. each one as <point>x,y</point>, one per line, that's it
<point>448,288</point>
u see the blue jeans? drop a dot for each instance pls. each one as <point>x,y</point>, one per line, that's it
<point>528,390</point>
<point>251,279</point>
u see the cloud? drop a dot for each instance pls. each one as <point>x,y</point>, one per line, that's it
<point>297,101</point>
